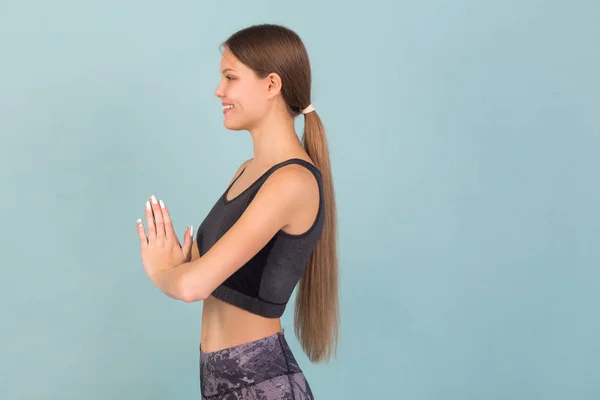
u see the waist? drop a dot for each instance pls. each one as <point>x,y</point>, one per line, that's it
<point>225,325</point>
<point>242,366</point>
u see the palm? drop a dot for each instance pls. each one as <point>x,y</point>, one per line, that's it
<point>161,249</point>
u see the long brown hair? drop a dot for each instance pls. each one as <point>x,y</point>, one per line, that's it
<point>269,48</point>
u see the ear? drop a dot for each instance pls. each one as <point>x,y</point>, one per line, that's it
<point>273,85</point>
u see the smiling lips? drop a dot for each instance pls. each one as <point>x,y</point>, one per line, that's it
<point>227,108</point>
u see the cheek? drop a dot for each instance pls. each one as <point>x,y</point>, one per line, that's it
<point>249,105</point>
<point>247,100</point>
<point>251,94</point>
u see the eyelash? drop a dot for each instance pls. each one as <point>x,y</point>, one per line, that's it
<point>229,78</point>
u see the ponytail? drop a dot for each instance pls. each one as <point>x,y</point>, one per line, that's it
<point>316,316</point>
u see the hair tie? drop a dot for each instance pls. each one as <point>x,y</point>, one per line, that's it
<point>308,109</point>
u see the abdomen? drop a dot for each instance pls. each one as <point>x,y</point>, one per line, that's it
<point>224,325</point>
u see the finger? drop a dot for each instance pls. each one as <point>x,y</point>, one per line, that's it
<point>169,231</point>
<point>158,219</point>
<point>150,222</point>
<point>188,240</point>
<point>142,233</point>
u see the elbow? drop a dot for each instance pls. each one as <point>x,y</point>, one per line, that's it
<point>190,291</point>
<point>191,297</point>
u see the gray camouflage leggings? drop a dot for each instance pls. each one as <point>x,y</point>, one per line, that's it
<point>261,370</point>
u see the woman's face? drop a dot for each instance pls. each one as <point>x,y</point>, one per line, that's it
<point>244,95</point>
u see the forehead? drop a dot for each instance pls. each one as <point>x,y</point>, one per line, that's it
<point>228,60</point>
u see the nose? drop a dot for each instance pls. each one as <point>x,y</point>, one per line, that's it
<point>219,91</point>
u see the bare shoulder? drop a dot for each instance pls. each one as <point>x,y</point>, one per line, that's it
<point>293,186</point>
<point>293,177</point>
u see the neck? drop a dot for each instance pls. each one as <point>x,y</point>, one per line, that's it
<point>275,140</point>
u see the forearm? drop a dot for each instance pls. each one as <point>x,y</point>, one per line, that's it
<point>177,283</point>
<point>170,282</point>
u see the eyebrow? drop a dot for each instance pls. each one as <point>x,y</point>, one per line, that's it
<point>227,69</point>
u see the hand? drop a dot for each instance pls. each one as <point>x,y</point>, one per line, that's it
<point>161,250</point>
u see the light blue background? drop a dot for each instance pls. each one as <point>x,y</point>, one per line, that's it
<point>465,142</point>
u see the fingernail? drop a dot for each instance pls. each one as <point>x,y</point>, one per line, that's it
<point>191,230</point>
<point>153,199</point>
<point>148,205</point>
<point>162,205</point>
<point>139,221</point>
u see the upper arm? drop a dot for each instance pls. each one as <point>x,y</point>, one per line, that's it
<point>195,251</point>
<point>281,196</point>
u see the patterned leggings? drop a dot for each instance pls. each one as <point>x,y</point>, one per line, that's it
<point>261,370</point>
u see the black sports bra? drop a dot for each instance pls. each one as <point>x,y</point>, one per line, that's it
<point>265,283</point>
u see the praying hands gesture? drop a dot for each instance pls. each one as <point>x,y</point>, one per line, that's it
<point>161,250</point>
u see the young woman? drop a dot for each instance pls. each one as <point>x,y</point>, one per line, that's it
<point>273,227</point>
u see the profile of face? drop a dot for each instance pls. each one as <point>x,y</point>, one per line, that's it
<point>246,98</point>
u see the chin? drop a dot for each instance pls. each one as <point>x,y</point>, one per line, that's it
<point>233,126</point>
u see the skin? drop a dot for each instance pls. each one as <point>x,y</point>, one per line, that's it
<point>287,201</point>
